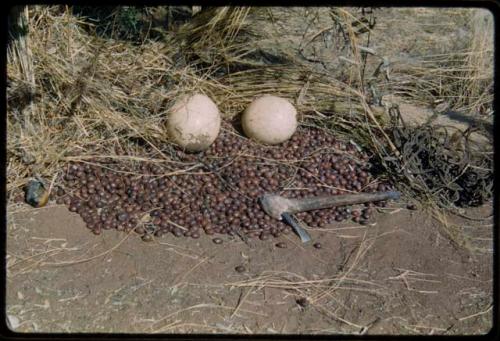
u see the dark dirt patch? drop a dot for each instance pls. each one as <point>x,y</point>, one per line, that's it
<point>400,275</point>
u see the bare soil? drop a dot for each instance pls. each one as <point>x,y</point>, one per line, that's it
<point>398,275</point>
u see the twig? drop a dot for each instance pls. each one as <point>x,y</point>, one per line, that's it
<point>476,314</point>
<point>91,258</point>
<point>191,270</point>
<point>240,302</point>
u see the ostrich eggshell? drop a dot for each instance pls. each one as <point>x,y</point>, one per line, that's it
<point>194,122</point>
<point>270,120</point>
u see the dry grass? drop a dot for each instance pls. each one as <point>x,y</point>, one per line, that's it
<point>477,238</point>
<point>459,79</point>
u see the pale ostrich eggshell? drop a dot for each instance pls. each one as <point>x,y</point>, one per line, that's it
<point>270,120</point>
<point>194,122</point>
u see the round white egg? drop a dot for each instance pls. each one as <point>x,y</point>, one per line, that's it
<point>270,120</point>
<point>194,122</point>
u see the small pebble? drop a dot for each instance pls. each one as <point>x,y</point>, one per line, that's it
<point>302,301</point>
<point>240,268</point>
<point>217,240</point>
<point>13,322</point>
<point>317,245</point>
<point>281,245</point>
<point>264,236</point>
<point>411,206</point>
<point>147,238</point>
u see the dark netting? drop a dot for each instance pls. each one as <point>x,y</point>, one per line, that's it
<point>447,167</point>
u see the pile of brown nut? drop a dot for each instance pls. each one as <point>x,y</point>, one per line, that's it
<point>219,191</point>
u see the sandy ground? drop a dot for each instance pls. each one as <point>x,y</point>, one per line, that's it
<point>399,275</point>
